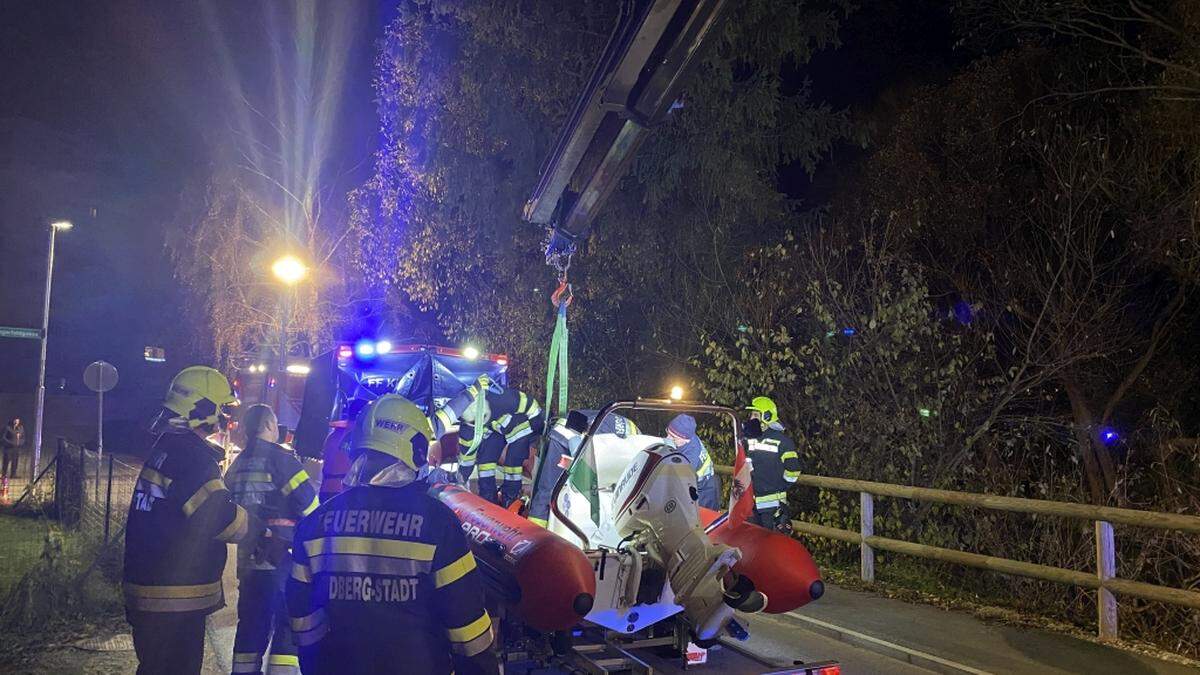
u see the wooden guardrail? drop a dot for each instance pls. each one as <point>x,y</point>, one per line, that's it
<point>1104,581</point>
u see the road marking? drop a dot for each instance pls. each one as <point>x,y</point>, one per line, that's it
<point>899,652</point>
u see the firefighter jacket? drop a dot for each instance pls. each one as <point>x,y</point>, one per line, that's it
<point>383,581</point>
<point>514,415</point>
<point>269,482</point>
<point>776,465</point>
<point>180,519</point>
<point>446,417</point>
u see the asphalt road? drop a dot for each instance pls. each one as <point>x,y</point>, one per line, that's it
<point>779,641</point>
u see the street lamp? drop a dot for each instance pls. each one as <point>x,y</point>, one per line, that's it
<point>290,270</point>
<point>39,415</point>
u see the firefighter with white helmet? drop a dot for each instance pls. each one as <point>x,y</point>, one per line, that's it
<point>382,577</point>
<point>180,519</point>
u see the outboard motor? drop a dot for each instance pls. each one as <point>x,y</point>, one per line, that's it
<point>656,511</point>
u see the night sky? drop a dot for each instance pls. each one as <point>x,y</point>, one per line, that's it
<point>107,110</point>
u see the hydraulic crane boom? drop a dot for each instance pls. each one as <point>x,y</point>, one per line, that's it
<point>635,85</point>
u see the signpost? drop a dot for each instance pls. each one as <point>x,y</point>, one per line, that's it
<point>20,333</point>
<point>100,376</point>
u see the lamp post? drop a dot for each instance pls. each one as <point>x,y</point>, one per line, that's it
<point>40,410</point>
<point>290,270</point>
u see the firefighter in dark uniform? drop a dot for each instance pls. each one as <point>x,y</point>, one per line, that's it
<point>382,578</point>
<point>511,421</point>
<point>180,519</point>
<point>562,444</point>
<point>269,482</point>
<point>776,464</point>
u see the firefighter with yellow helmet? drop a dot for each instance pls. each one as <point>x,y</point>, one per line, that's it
<point>180,519</point>
<point>382,577</point>
<point>775,464</point>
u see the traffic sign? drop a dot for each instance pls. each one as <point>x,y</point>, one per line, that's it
<point>22,333</point>
<point>100,376</point>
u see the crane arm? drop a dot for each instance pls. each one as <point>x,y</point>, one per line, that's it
<point>634,87</point>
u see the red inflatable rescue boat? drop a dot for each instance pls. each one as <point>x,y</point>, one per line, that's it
<point>548,580</point>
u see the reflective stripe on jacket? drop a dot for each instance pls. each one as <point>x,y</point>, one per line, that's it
<point>180,518</point>
<point>386,572</point>
<point>270,483</point>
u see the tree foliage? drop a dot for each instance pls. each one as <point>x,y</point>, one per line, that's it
<point>1034,217</point>
<point>471,98</point>
<point>227,235</point>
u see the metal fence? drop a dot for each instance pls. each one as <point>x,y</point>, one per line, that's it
<point>71,519</point>
<point>107,489</point>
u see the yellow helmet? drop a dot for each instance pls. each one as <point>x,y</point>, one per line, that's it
<point>198,393</point>
<point>393,425</point>
<point>765,408</point>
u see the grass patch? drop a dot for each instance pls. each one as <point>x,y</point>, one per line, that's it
<point>22,540</point>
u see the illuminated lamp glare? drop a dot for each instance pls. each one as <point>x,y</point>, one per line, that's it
<point>502,361</point>
<point>848,331</point>
<point>676,393</point>
<point>365,348</point>
<point>383,347</point>
<point>1109,436</point>
<point>470,352</point>
<point>298,369</point>
<point>289,269</point>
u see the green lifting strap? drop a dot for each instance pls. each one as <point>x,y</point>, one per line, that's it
<point>480,403</point>
<point>557,365</point>
<point>558,362</point>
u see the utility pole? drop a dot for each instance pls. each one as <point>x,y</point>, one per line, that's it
<point>39,414</point>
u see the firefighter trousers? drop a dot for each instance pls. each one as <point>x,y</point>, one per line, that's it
<point>487,461</point>
<point>168,643</point>
<point>774,518</point>
<point>263,620</point>
<point>512,468</point>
